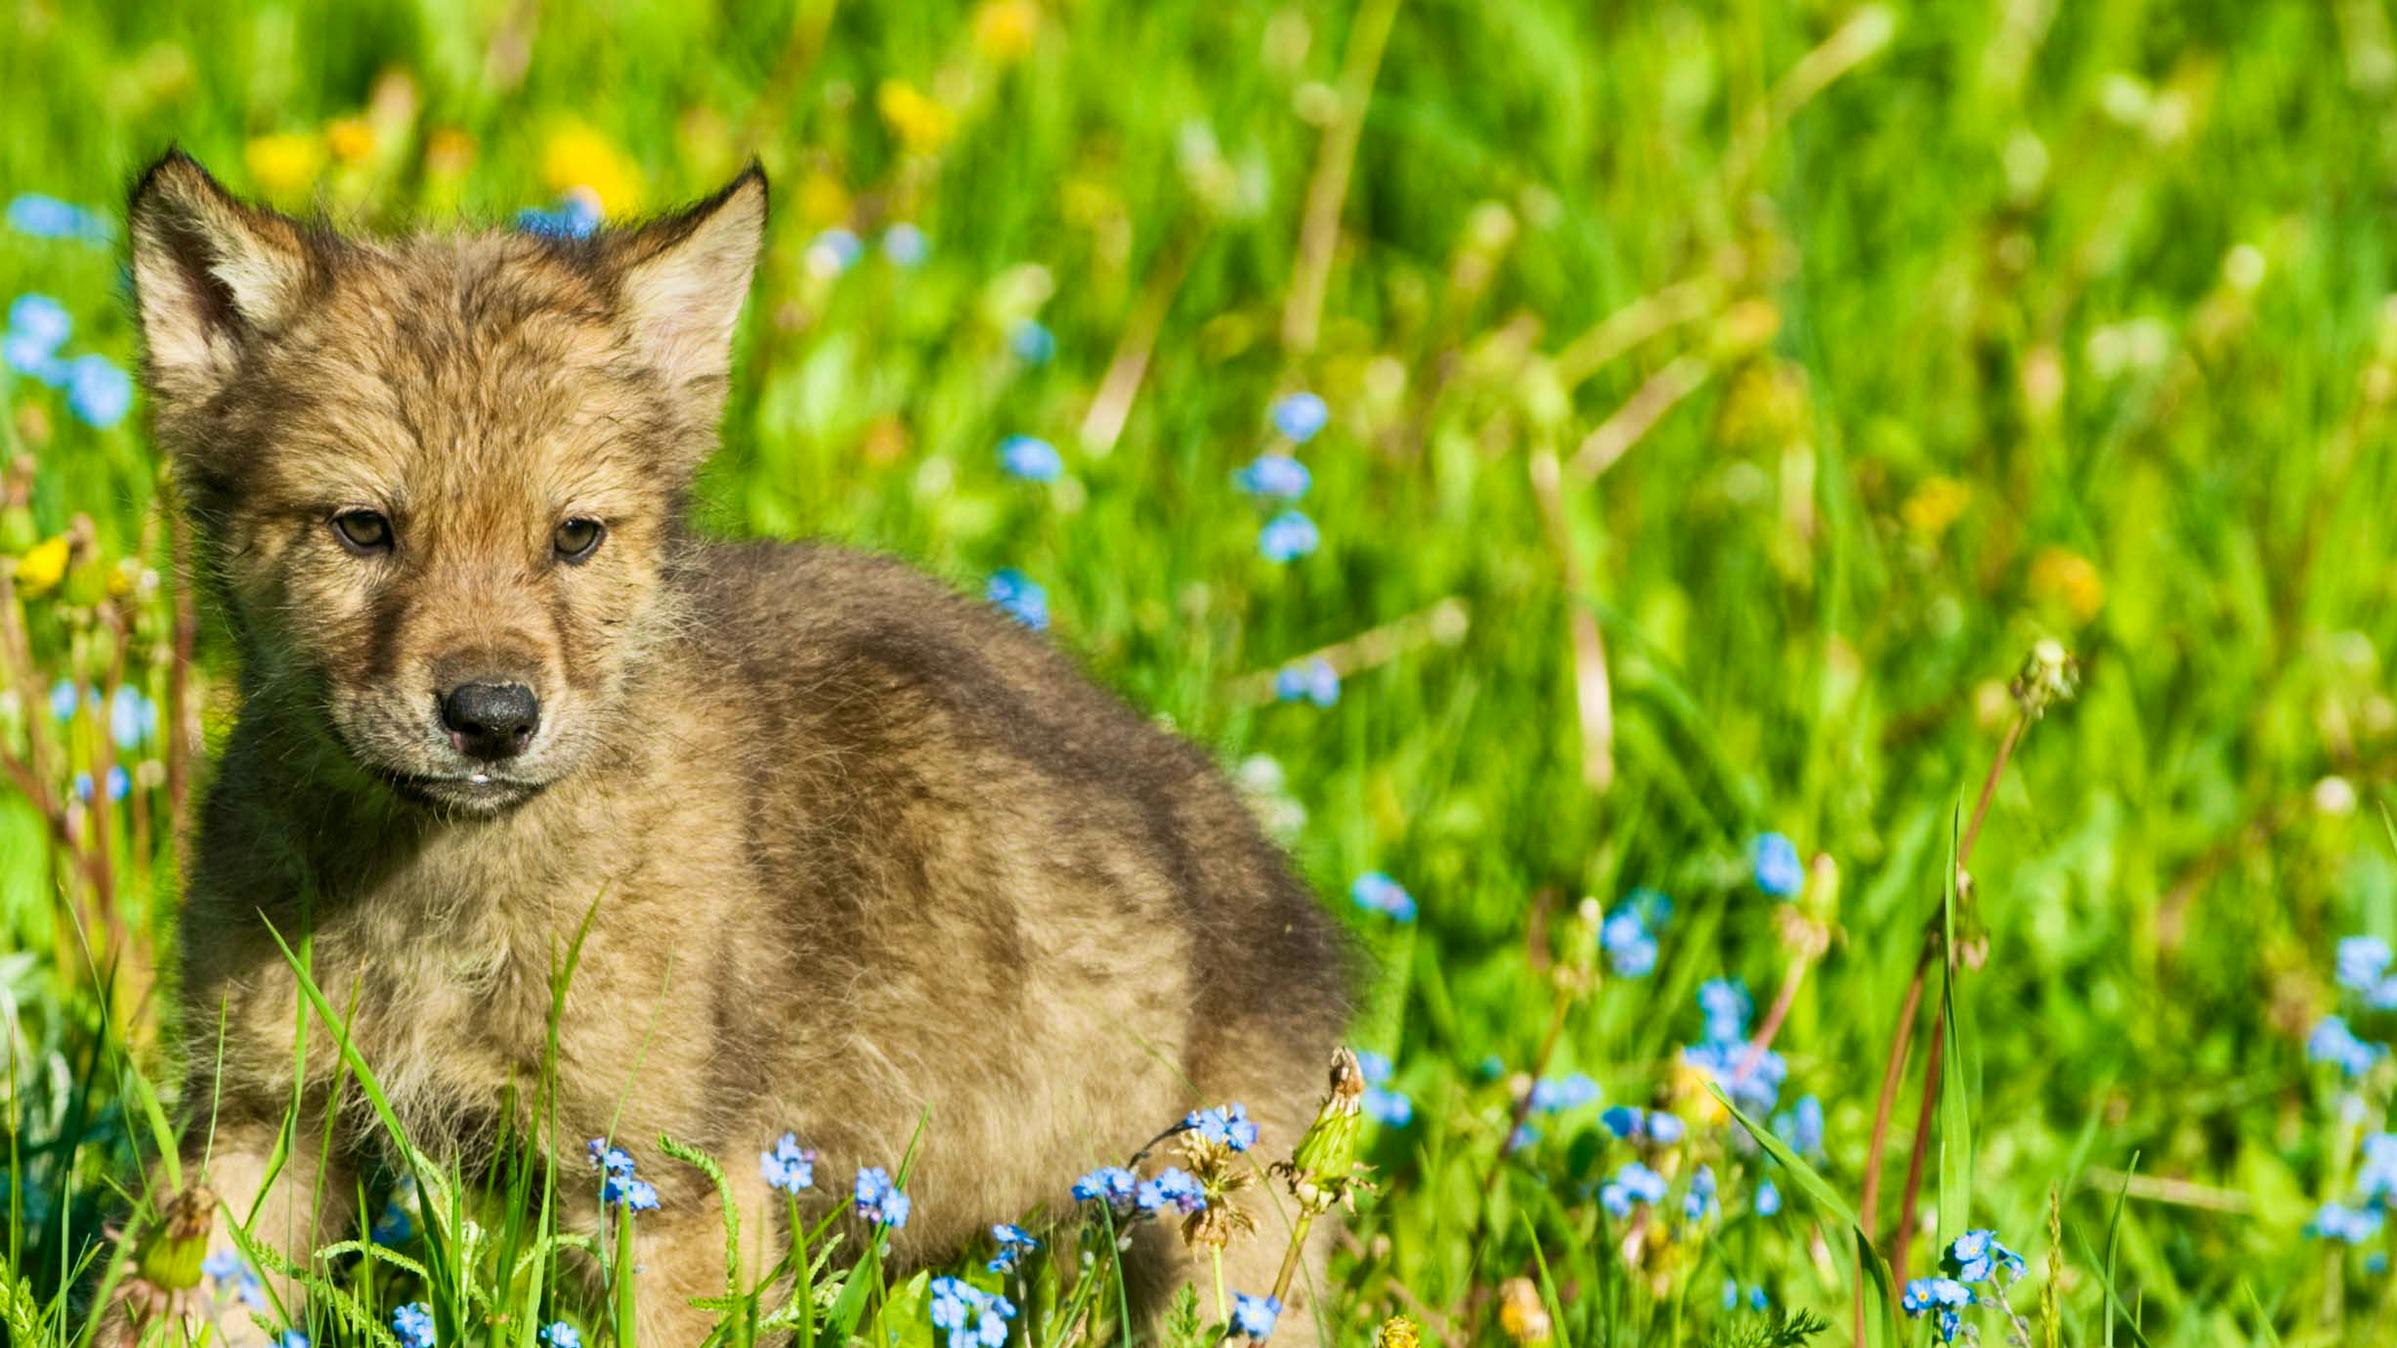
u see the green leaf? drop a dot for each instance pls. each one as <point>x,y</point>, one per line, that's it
<point>1882,1318</point>
<point>1556,1304</point>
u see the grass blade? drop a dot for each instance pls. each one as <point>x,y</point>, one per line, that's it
<point>1882,1319</point>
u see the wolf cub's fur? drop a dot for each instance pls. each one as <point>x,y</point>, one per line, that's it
<point>863,853</point>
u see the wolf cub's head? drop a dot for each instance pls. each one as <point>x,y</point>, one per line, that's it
<point>439,476</point>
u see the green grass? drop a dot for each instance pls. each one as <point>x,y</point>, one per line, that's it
<point>1995,323</point>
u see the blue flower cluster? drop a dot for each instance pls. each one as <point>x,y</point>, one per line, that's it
<point>905,245</point>
<point>1278,478</point>
<point>1974,1258</point>
<point>1977,1255</point>
<point>2363,969</point>
<point>132,715</point>
<point>1254,1317</point>
<point>1288,536</point>
<point>1648,1127</point>
<point>2363,965</point>
<point>395,1225</point>
<point>1019,597</point>
<point>1555,1095</point>
<point>618,1184</point>
<point>1801,1126</point>
<point>1308,681</point>
<point>1126,1194</point>
<point>47,217</point>
<point>832,252</point>
<point>412,1325</point>
<point>1385,1107</point>
<point>98,392</point>
<point>789,1167</point>
<point>1275,477</point>
<point>1173,1187</point>
<point>1014,1243</point>
<point>1379,893</point>
<point>878,1199</point>
<point>1751,1077</point>
<point>1298,416</point>
<point>1113,1185</point>
<point>575,216</point>
<point>1702,1199</point>
<point>120,784</point>
<point>971,1317</point>
<point>1228,1127</point>
<point>1630,931</point>
<point>1634,1183</point>
<point>559,1334</point>
<point>234,1278</point>
<point>1031,458</point>
<point>2360,1218</point>
<point>1944,1298</point>
<point>1779,872</point>
<point>1756,1298</point>
<point>1032,343</point>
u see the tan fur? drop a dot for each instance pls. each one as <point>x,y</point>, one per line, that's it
<point>863,854</point>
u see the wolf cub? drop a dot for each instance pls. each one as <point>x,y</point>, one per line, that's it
<point>846,855</point>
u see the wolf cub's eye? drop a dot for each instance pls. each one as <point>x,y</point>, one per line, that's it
<point>577,539</point>
<point>362,531</point>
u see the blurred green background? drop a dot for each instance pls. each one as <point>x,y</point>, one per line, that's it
<point>1722,400</point>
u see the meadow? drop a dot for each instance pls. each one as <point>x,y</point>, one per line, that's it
<point>1636,494</point>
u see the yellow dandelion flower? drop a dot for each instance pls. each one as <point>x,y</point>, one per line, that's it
<point>1696,1104</point>
<point>1934,506</point>
<point>577,156</point>
<point>1398,1332</point>
<point>349,138</point>
<point>284,164</point>
<point>921,122</point>
<point>44,566</point>
<point>1005,29</point>
<point>823,202</point>
<point>2068,578</point>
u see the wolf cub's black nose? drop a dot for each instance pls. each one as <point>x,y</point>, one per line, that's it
<point>490,720</point>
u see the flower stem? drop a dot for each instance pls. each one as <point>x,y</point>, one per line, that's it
<point>1223,1304</point>
<point>1893,1069</point>
<point>623,1273</point>
<point>1298,1243</point>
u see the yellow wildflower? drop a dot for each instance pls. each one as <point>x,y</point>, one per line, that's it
<point>1398,1332</point>
<point>2068,578</point>
<point>349,138</point>
<point>577,156</point>
<point>1692,1100</point>
<point>1934,506</point>
<point>1004,29</point>
<point>823,202</point>
<point>921,122</point>
<point>44,566</point>
<point>284,164</point>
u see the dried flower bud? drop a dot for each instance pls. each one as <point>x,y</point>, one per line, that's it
<point>2049,676</point>
<point>1521,1313</point>
<point>1323,1171</point>
<point>170,1253</point>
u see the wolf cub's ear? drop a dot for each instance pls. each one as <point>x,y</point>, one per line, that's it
<point>210,275</point>
<point>681,281</point>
